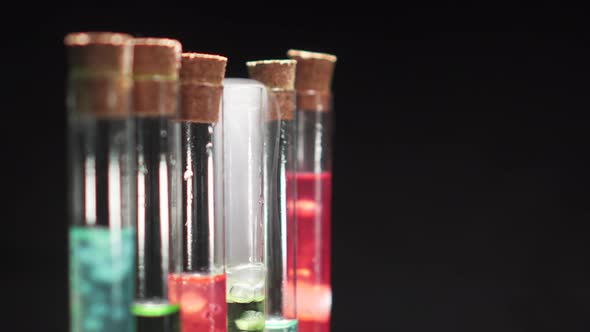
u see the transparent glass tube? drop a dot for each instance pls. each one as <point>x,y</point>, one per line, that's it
<point>313,209</point>
<point>279,214</point>
<point>101,184</point>
<point>197,278</point>
<point>157,148</point>
<point>246,246</point>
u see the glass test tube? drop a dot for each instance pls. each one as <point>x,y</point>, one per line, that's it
<point>197,278</point>
<point>245,247</point>
<point>100,158</point>
<point>314,188</point>
<point>279,191</point>
<point>155,94</point>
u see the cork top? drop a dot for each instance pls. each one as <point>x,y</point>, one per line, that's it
<point>279,77</point>
<point>201,87</point>
<point>314,70</point>
<point>159,57</point>
<point>99,53</point>
<point>203,68</point>
<point>275,74</point>
<point>156,62</point>
<point>309,55</point>
<point>100,65</point>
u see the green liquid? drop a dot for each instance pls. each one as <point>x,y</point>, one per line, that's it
<point>247,316</point>
<point>156,317</point>
<point>101,279</point>
<point>148,309</point>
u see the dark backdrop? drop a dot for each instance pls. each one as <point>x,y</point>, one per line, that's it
<point>461,179</point>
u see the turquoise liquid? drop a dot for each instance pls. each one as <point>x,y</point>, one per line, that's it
<point>102,278</point>
<point>281,325</point>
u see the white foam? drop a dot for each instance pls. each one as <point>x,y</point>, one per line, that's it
<point>243,102</point>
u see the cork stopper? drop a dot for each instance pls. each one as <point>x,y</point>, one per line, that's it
<point>314,79</point>
<point>201,86</point>
<point>99,72</point>
<point>279,77</point>
<point>156,57</point>
<point>156,62</point>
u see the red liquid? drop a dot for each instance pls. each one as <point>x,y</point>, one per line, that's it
<point>313,213</point>
<point>202,301</point>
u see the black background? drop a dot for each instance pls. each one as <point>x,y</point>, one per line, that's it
<point>461,179</point>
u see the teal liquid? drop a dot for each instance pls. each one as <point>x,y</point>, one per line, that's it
<point>280,325</point>
<point>102,278</point>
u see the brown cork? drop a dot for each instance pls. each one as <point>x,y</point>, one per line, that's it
<point>100,66</point>
<point>156,62</point>
<point>314,79</point>
<point>279,77</point>
<point>201,87</point>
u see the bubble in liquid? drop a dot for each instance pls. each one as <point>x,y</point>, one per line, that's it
<point>259,292</point>
<point>251,314</point>
<point>212,311</point>
<point>192,303</point>
<point>188,174</point>
<point>142,169</point>
<point>307,208</point>
<point>252,274</point>
<point>241,292</point>
<point>250,321</point>
<point>313,302</point>
<point>215,308</point>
